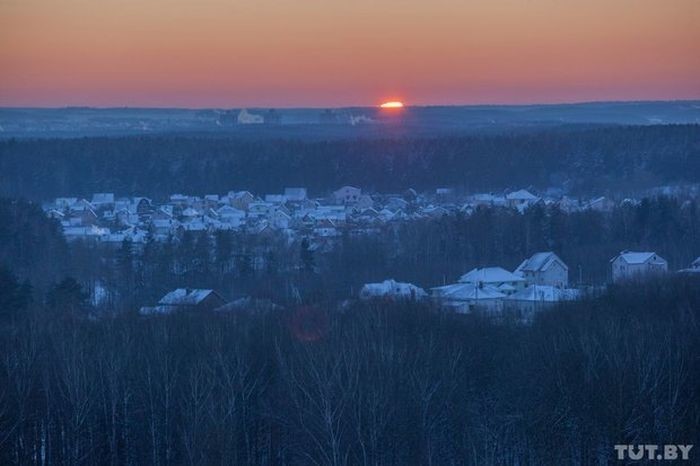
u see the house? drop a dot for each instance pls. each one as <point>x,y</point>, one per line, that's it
<point>280,220</point>
<point>392,290</point>
<point>240,199</point>
<point>633,265</point>
<point>295,194</point>
<point>65,202</point>
<point>521,199</point>
<point>231,215</point>
<point>141,206</point>
<point>544,268</point>
<point>493,276</point>
<point>186,299</point>
<point>694,267</point>
<point>92,232</point>
<point>569,205</point>
<point>600,204</point>
<point>247,118</point>
<point>259,209</point>
<point>347,195</point>
<point>465,298</point>
<point>538,297</point>
<point>325,228</point>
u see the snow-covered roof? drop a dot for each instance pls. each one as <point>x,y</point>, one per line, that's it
<point>392,288</point>
<point>489,275</point>
<point>545,293</point>
<point>185,297</point>
<point>466,292</point>
<point>521,195</point>
<point>191,212</point>
<point>228,211</point>
<point>632,257</point>
<point>538,262</point>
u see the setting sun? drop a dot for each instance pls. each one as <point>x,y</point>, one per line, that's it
<point>392,104</point>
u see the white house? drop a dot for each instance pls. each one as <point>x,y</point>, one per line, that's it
<point>493,276</point>
<point>630,265</point>
<point>469,297</point>
<point>544,268</point>
<point>347,195</point>
<point>391,289</point>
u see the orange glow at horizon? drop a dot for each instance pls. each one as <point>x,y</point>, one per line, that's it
<point>392,104</point>
<point>334,53</point>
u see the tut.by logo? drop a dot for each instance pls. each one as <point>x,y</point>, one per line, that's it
<point>653,452</point>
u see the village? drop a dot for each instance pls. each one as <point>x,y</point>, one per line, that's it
<point>539,282</point>
<point>109,219</point>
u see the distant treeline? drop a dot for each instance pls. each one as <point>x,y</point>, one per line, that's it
<point>593,160</point>
<point>379,384</point>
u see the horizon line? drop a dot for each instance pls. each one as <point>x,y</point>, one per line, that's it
<point>325,107</point>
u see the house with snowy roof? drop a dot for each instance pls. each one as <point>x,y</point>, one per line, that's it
<point>392,290</point>
<point>694,267</point>
<point>495,277</point>
<point>240,199</point>
<point>630,265</point>
<point>465,298</point>
<point>186,299</point>
<point>521,199</point>
<point>544,268</point>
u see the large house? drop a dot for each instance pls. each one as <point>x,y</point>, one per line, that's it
<point>544,268</point>
<point>630,265</point>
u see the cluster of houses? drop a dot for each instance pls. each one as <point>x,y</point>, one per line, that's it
<point>110,219</point>
<point>539,282</point>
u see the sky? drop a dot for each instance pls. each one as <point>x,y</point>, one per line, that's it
<point>328,53</point>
